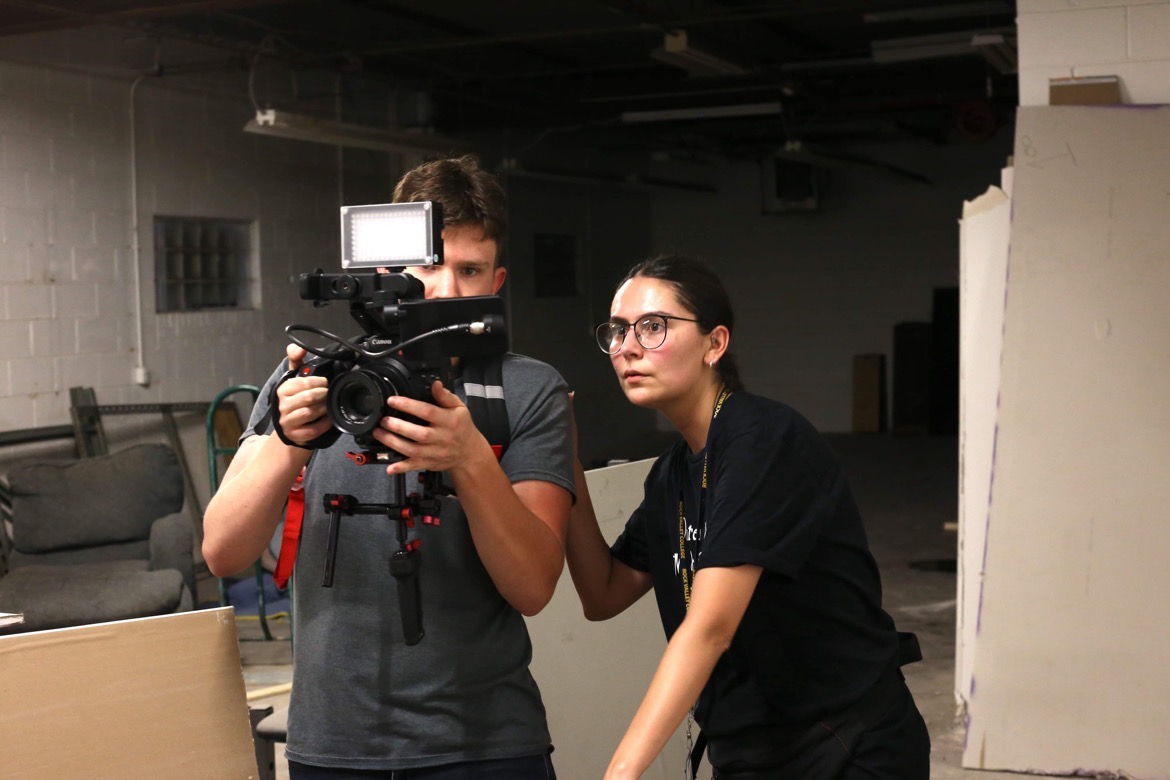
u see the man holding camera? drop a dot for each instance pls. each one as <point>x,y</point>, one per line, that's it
<point>461,704</point>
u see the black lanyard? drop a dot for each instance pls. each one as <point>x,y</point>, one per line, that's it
<point>682,523</point>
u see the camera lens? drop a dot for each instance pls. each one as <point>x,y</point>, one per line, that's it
<point>357,399</point>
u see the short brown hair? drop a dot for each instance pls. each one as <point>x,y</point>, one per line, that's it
<point>469,194</point>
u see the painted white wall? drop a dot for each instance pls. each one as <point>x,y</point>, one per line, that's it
<point>1078,38</point>
<point>612,229</point>
<point>810,291</point>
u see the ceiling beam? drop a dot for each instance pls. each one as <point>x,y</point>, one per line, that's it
<point>63,16</point>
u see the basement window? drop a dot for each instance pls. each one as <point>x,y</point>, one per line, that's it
<point>202,263</point>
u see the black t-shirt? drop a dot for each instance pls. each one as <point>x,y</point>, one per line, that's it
<point>814,637</point>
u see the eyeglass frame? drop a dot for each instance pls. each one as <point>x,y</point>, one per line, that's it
<point>628,326</point>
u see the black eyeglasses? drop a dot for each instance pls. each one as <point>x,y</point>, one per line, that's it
<point>650,331</point>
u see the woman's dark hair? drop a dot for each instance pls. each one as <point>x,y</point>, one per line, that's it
<point>701,292</point>
<point>469,194</point>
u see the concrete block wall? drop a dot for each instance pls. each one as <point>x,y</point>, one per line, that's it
<point>810,291</point>
<point>69,302</point>
<point>68,280</point>
<point>1079,38</point>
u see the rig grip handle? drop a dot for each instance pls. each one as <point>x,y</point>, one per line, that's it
<point>331,548</point>
<point>404,566</point>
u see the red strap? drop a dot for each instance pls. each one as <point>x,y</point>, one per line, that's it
<point>293,515</point>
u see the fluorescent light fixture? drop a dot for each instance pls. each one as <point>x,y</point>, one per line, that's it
<point>299,127</point>
<point>998,50</point>
<point>678,52</point>
<point>391,235</point>
<point>922,47</point>
<point>704,112</point>
<point>928,47</point>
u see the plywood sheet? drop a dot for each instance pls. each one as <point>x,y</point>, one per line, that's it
<point>156,697</point>
<point>1071,667</point>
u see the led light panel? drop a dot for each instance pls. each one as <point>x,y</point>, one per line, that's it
<point>391,235</point>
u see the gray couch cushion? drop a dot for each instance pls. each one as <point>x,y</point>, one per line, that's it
<point>81,503</point>
<point>137,550</point>
<point>58,596</point>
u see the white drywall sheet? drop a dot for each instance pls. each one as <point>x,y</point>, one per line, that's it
<point>592,676</point>
<point>1071,661</point>
<point>983,258</point>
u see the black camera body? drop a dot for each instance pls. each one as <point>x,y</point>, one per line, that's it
<point>408,344</point>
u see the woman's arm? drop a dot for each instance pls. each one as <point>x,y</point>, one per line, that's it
<point>718,601</point>
<point>605,585</point>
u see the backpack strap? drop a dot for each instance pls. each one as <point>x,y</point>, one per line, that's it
<point>483,384</point>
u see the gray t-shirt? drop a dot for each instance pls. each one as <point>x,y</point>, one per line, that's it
<point>361,697</point>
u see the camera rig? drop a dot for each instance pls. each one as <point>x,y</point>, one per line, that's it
<point>408,343</point>
<point>404,562</point>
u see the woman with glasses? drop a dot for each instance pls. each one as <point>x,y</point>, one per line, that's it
<point>751,540</point>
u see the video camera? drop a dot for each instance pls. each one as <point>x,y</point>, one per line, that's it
<point>408,341</point>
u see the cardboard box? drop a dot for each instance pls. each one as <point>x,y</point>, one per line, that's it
<point>1086,91</point>
<point>153,697</point>
<point>869,393</point>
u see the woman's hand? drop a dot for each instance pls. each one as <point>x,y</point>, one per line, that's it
<point>718,602</point>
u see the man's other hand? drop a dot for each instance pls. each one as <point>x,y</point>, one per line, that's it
<point>447,438</point>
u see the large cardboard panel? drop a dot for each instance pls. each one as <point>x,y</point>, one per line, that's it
<point>592,676</point>
<point>1070,667</point>
<point>983,259</point>
<point>155,697</point>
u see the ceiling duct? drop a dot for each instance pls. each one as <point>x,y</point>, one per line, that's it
<point>699,113</point>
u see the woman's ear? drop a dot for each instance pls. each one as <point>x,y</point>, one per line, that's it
<point>720,341</point>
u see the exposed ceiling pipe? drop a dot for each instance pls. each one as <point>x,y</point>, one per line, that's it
<point>70,17</point>
<point>141,373</point>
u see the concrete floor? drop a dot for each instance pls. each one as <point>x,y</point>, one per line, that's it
<point>907,488</point>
